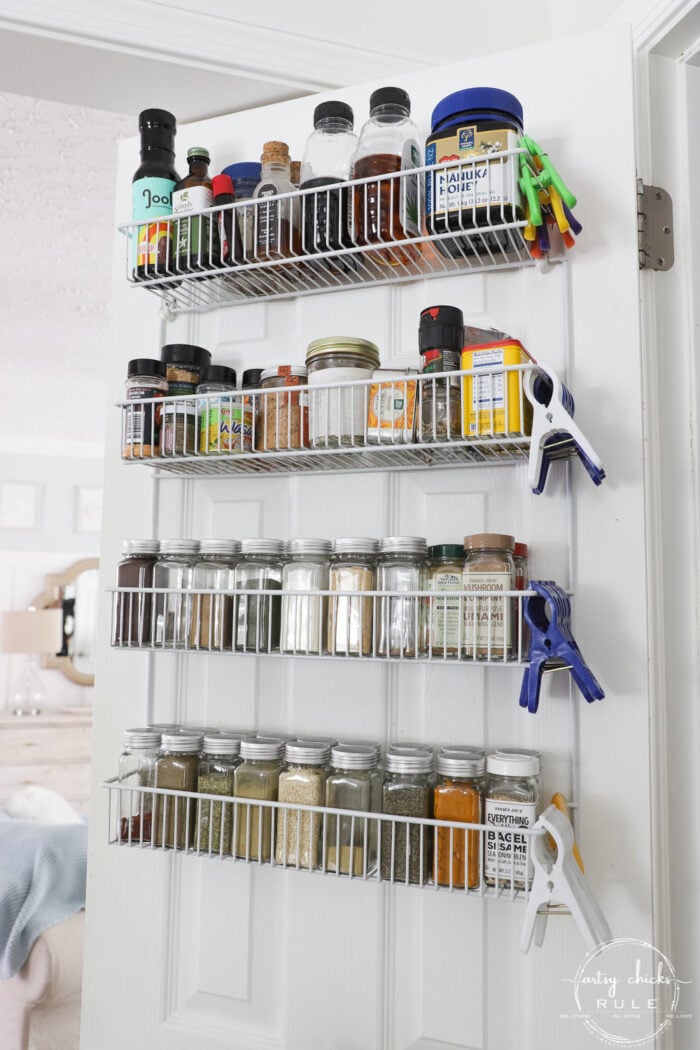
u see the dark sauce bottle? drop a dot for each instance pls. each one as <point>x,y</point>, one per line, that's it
<point>151,193</point>
<point>326,162</point>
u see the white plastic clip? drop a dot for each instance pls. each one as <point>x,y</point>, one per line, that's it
<point>559,880</point>
<point>553,422</point>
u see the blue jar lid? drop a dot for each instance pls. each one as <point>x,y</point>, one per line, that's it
<point>244,170</point>
<point>478,98</point>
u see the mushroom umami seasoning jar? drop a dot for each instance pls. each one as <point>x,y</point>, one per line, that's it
<point>488,619</point>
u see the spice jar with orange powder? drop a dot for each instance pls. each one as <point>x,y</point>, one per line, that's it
<point>458,797</point>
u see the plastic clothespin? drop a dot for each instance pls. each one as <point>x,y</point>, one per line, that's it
<point>557,879</point>
<point>548,174</point>
<point>548,614</point>
<point>554,433</point>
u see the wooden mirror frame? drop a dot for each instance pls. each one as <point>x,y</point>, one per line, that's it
<point>51,599</point>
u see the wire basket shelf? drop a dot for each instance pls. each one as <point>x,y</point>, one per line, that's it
<point>377,230</point>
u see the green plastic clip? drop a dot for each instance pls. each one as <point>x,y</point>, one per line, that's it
<point>549,176</point>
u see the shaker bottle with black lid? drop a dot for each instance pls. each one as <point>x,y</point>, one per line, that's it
<point>327,158</point>
<point>151,192</point>
<point>440,341</point>
<point>185,364</point>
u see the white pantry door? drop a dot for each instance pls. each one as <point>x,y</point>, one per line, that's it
<point>203,955</point>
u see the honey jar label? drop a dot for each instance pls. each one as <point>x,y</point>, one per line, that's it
<point>471,185</point>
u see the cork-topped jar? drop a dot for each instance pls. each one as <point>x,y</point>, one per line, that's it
<point>276,223</point>
<point>488,619</point>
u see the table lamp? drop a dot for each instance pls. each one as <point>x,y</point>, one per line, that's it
<point>30,633</point>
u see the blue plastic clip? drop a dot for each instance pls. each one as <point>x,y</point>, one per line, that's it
<point>548,613</point>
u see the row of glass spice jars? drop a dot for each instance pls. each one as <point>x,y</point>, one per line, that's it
<point>461,785</point>
<point>316,616</point>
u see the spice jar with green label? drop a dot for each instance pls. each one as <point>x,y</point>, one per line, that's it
<point>303,781</point>
<point>219,761</point>
<point>444,607</point>
<point>257,779</point>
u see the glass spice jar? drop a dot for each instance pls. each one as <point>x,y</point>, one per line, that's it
<point>444,613</point>
<point>458,796</point>
<point>521,555</point>
<point>511,805</point>
<point>172,575</point>
<point>400,567</point>
<point>217,415</point>
<point>177,767</point>
<point>352,569</point>
<point>219,761</point>
<point>257,778</point>
<point>303,780</point>
<point>353,783</point>
<point>133,611</point>
<point>407,848</point>
<point>440,341</point>
<point>338,411</point>
<point>257,616</point>
<point>282,418</point>
<point>145,379</point>
<point>184,364</point>
<point>304,616</point>
<point>211,623</point>
<point>137,769</point>
<point>488,620</point>
<point>178,433</point>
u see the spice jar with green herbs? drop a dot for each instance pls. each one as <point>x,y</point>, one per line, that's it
<point>176,769</point>
<point>407,848</point>
<point>257,778</point>
<point>303,781</point>
<point>219,761</point>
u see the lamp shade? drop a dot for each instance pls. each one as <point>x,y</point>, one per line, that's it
<point>31,632</point>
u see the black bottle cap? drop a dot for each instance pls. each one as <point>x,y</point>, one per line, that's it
<point>145,366</point>
<point>447,550</point>
<point>219,374</point>
<point>337,110</point>
<point>156,118</point>
<point>441,328</point>
<point>157,128</point>
<point>389,96</point>
<point>251,378</point>
<point>184,354</point>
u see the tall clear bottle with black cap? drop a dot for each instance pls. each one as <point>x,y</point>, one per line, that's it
<point>441,341</point>
<point>326,162</point>
<point>195,239</point>
<point>387,210</point>
<point>152,191</point>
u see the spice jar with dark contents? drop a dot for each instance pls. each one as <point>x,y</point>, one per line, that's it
<point>133,611</point>
<point>212,614</point>
<point>137,769</point>
<point>257,779</point>
<point>257,616</point>
<point>177,767</point>
<point>407,848</point>
<point>219,761</point>
<point>458,797</point>
<point>304,781</point>
<point>146,379</point>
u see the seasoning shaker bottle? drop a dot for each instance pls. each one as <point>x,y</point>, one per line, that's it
<point>145,379</point>
<point>489,621</point>
<point>511,805</point>
<point>257,616</point>
<point>458,796</point>
<point>326,162</point>
<point>444,613</point>
<point>184,365</point>
<point>400,567</point>
<point>406,849</point>
<point>217,414</point>
<point>133,611</point>
<point>353,563</point>
<point>440,341</point>
<point>303,780</point>
<point>177,766</point>
<point>304,616</point>
<point>257,778</point>
<point>355,784</point>
<point>211,624</point>
<point>338,412</point>
<point>219,761</point>
<point>172,575</point>
<point>137,769</point>
<point>277,234</point>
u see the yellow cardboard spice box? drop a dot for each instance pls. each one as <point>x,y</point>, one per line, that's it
<point>487,398</point>
<point>391,416</point>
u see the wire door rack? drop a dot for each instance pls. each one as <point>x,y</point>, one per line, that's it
<point>452,627</point>
<point>374,230</point>
<point>472,859</point>
<point>477,417</point>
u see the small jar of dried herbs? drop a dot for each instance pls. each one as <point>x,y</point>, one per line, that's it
<point>176,768</point>
<point>407,848</point>
<point>303,781</point>
<point>257,778</point>
<point>220,758</point>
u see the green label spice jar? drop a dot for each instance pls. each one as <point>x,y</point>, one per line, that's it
<point>257,778</point>
<point>219,761</point>
<point>176,768</point>
<point>444,619</point>
<point>303,781</point>
<point>407,848</point>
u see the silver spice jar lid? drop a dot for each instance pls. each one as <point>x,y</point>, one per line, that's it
<point>403,545</point>
<point>307,753</point>
<point>221,744</point>
<point>165,727</point>
<point>228,548</point>
<point>262,747</point>
<point>273,548</point>
<point>185,743</point>
<point>354,756</point>
<point>179,547</point>
<point>145,738</point>
<point>141,547</point>
<point>461,761</point>
<point>401,759</point>
<point>364,744</point>
<point>355,544</point>
<point>309,546</point>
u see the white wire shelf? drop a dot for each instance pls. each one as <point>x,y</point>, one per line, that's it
<point>344,843</point>
<point>449,627</point>
<point>476,417</point>
<point>374,230</point>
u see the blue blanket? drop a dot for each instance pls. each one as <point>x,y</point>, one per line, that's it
<point>42,882</point>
